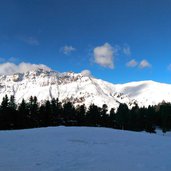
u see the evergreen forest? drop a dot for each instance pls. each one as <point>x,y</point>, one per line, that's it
<point>31,114</point>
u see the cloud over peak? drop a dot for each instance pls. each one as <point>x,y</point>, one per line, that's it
<point>104,55</point>
<point>86,73</point>
<point>11,68</point>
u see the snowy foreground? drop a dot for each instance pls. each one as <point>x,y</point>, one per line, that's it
<point>83,149</point>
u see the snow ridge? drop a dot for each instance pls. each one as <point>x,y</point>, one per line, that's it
<point>79,88</point>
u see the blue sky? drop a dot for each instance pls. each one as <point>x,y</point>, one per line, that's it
<point>117,40</point>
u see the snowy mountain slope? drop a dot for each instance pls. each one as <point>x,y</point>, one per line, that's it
<point>147,92</point>
<point>83,149</point>
<point>79,89</point>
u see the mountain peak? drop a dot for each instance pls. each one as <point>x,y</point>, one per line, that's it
<point>81,88</point>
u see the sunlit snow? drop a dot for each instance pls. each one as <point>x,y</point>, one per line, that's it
<point>81,89</point>
<point>83,149</point>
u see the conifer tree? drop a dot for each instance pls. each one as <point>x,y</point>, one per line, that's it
<point>69,112</point>
<point>4,118</point>
<point>23,115</point>
<point>104,115</point>
<point>93,117</point>
<point>4,103</point>
<point>122,116</point>
<point>80,114</point>
<point>112,117</point>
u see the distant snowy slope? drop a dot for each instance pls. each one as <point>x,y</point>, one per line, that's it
<point>146,92</point>
<point>83,149</point>
<point>80,89</point>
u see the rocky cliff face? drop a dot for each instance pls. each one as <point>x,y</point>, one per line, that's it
<point>80,89</point>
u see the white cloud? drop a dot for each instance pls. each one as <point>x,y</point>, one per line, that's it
<point>144,64</point>
<point>104,55</point>
<point>86,73</point>
<point>132,63</point>
<point>11,68</point>
<point>127,51</point>
<point>67,49</point>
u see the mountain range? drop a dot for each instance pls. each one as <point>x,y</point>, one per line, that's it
<point>81,88</point>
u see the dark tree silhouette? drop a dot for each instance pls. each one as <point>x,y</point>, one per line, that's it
<point>52,113</point>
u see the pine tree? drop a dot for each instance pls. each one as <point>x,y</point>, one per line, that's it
<point>55,111</point>
<point>4,103</point>
<point>69,113</point>
<point>33,112</point>
<point>8,114</point>
<point>112,119</point>
<point>12,112</point>
<point>104,116</point>
<point>149,120</point>
<point>165,110</point>
<point>48,114</point>
<point>80,114</point>
<point>4,118</point>
<point>23,113</point>
<point>122,116</point>
<point>12,103</point>
<point>133,123</point>
<point>93,117</point>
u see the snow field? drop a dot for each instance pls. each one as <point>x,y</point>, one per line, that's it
<point>83,149</point>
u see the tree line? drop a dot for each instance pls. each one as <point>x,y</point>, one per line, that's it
<point>31,114</point>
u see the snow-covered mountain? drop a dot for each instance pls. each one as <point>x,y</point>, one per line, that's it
<point>80,88</point>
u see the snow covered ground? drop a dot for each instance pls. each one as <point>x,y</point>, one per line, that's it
<point>83,149</point>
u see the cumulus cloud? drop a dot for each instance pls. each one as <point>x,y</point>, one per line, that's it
<point>86,73</point>
<point>127,51</point>
<point>11,68</point>
<point>144,64</point>
<point>67,49</point>
<point>104,55</point>
<point>132,63</point>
